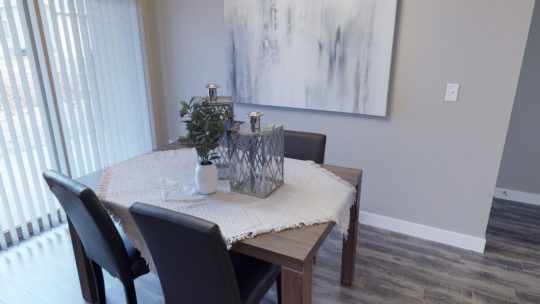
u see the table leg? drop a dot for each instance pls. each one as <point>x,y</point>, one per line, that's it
<point>296,285</point>
<point>348,255</point>
<point>86,278</point>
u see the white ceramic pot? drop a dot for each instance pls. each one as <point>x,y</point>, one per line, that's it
<point>206,178</point>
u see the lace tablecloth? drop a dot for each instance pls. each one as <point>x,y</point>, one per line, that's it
<point>309,196</point>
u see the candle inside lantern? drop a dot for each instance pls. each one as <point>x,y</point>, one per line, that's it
<point>212,91</point>
<point>255,119</point>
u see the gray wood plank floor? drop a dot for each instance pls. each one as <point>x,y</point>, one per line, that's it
<point>390,268</point>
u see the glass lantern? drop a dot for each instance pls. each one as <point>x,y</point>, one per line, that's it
<point>256,157</point>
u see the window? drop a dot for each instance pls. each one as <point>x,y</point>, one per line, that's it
<point>74,97</point>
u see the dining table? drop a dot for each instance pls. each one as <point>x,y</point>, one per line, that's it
<point>293,249</point>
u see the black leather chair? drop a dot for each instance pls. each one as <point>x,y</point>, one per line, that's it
<point>193,263</point>
<point>103,245</point>
<point>305,146</point>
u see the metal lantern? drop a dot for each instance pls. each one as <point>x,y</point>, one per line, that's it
<point>256,157</point>
<point>225,103</point>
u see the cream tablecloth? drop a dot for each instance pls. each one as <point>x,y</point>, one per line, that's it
<point>310,195</point>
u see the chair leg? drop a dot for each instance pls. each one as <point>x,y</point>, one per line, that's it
<point>278,287</point>
<point>98,279</point>
<point>131,296</point>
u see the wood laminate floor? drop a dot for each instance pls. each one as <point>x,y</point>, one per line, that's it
<point>390,268</point>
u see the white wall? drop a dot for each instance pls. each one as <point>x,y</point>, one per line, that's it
<point>429,162</point>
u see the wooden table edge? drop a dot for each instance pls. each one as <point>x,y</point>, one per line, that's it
<point>277,258</point>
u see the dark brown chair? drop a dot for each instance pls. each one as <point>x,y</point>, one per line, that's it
<point>103,245</point>
<point>305,146</point>
<point>193,263</point>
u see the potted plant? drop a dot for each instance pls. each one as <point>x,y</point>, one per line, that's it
<point>205,126</point>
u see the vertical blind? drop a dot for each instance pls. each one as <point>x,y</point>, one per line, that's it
<point>25,141</point>
<point>95,50</point>
<point>74,97</point>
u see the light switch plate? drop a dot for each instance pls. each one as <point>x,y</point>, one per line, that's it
<point>452,91</point>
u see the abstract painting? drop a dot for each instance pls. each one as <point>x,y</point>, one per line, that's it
<point>331,55</point>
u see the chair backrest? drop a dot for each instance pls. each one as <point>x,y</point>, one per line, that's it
<point>305,146</point>
<point>190,256</point>
<point>101,241</point>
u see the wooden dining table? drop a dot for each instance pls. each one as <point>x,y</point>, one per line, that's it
<point>292,249</point>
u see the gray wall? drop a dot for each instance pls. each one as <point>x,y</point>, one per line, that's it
<point>428,162</point>
<point>520,166</point>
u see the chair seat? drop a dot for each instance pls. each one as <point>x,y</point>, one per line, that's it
<point>139,266</point>
<point>254,276</point>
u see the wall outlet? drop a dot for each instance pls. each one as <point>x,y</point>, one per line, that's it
<point>452,91</point>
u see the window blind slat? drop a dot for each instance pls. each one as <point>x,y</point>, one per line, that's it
<point>3,243</point>
<point>8,215</point>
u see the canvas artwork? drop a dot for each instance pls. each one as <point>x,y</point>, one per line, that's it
<point>331,55</point>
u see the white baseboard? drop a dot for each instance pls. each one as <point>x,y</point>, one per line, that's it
<point>517,196</point>
<point>422,231</point>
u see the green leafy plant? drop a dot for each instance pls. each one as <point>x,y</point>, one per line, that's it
<point>205,126</point>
